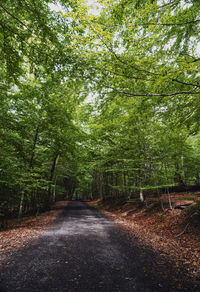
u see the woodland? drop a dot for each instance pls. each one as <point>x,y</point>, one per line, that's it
<point>98,101</point>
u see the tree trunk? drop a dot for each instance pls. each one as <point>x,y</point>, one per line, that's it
<point>168,193</point>
<point>34,146</point>
<point>177,177</point>
<point>141,195</point>
<point>21,205</point>
<point>53,167</point>
<point>54,191</point>
<point>169,199</point>
<point>183,169</point>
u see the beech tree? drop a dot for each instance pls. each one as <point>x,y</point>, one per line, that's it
<point>38,102</point>
<point>142,59</point>
<point>139,63</point>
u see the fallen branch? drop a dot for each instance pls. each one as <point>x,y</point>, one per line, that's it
<point>186,226</point>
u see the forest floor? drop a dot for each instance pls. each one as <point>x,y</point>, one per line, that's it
<point>22,231</point>
<point>172,232</point>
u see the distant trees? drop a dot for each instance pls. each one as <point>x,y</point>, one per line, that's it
<point>137,153</point>
<point>142,58</point>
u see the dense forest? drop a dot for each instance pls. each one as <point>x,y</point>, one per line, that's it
<point>97,101</point>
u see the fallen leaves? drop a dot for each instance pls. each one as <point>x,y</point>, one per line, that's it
<point>21,234</point>
<point>157,229</point>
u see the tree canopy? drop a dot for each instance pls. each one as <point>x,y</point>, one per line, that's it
<point>97,104</point>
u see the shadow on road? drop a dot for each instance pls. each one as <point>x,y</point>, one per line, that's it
<point>83,251</point>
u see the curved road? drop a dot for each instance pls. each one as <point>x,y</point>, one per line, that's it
<point>83,251</point>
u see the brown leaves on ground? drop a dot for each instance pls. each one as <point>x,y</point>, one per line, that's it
<point>22,232</point>
<point>159,230</point>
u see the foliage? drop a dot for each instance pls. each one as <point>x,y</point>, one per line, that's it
<point>140,62</point>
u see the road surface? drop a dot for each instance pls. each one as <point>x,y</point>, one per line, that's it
<point>83,251</point>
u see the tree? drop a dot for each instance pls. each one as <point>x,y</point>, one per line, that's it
<point>38,102</point>
<point>141,134</point>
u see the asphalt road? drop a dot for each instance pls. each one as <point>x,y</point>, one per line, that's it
<point>83,251</point>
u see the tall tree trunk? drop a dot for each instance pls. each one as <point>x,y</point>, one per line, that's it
<point>34,146</point>
<point>141,194</point>
<point>177,176</point>
<point>169,199</point>
<point>140,183</point>
<point>53,167</point>
<point>140,172</point>
<point>54,191</point>
<point>100,184</point>
<point>168,193</point>
<point>21,205</point>
<point>183,170</point>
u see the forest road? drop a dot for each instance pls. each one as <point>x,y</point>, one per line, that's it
<point>83,251</point>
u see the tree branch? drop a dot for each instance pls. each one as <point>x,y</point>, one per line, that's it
<point>196,213</point>
<point>155,94</point>
<point>128,77</point>
<point>13,16</point>
<point>171,4</point>
<point>22,23</point>
<point>140,93</point>
<point>185,83</point>
<point>171,24</point>
<point>138,69</point>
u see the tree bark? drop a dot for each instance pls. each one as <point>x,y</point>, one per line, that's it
<point>168,193</point>
<point>34,145</point>
<point>21,205</point>
<point>53,167</point>
<point>54,191</point>
<point>141,194</point>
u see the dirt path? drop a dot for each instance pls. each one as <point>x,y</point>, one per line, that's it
<point>83,251</point>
